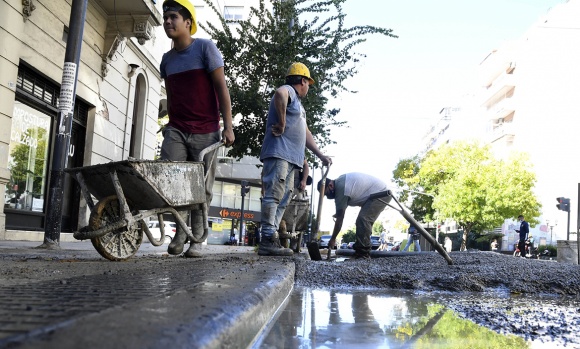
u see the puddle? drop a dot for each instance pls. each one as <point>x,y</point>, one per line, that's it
<point>314,318</point>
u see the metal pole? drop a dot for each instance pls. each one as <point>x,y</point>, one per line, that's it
<point>243,184</point>
<point>577,223</point>
<point>67,97</point>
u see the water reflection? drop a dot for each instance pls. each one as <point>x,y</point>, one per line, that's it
<point>375,319</point>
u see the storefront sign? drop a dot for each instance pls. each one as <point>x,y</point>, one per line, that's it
<point>234,213</point>
<point>25,126</point>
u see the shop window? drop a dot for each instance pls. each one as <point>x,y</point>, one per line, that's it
<point>216,199</point>
<point>27,159</point>
<point>254,199</point>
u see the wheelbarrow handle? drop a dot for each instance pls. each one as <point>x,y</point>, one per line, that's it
<point>209,149</point>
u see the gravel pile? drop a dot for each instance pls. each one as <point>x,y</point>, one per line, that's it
<point>428,271</point>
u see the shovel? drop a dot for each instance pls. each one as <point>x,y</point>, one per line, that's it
<point>313,248</point>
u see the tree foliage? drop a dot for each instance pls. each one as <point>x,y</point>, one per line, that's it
<point>414,190</point>
<point>350,235</point>
<point>258,51</point>
<point>470,186</point>
<point>378,228</point>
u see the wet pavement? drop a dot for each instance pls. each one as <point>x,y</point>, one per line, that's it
<point>339,318</point>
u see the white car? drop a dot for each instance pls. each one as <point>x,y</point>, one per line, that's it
<point>170,228</point>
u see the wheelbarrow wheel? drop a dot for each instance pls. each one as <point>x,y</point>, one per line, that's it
<point>119,244</point>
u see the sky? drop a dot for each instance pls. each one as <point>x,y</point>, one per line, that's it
<point>403,83</point>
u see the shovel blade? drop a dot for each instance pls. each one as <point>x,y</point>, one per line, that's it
<point>314,251</point>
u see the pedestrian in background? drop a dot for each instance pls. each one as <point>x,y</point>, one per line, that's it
<point>384,246</point>
<point>413,236</point>
<point>524,230</point>
<point>448,244</point>
<point>286,137</point>
<point>494,245</point>
<point>197,95</point>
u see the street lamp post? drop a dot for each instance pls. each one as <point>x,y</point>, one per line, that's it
<point>551,230</point>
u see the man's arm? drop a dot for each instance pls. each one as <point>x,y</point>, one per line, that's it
<point>305,173</point>
<point>311,144</point>
<point>219,82</point>
<point>280,103</point>
<point>339,216</point>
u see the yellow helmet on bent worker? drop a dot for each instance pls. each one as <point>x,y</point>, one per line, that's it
<point>300,69</point>
<point>185,4</point>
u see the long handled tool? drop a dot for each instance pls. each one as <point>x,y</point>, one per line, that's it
<point>313,248</point>
<point>388,195</point>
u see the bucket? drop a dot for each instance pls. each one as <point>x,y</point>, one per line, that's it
<point>568,251</point>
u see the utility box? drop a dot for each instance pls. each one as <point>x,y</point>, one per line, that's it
<point>567,251</point>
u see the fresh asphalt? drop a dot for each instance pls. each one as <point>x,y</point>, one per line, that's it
<point>74,298</point>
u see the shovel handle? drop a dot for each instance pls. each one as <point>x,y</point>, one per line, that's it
<point>321,197</point>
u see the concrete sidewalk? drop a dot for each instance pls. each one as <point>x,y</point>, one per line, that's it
<point>73,298</point>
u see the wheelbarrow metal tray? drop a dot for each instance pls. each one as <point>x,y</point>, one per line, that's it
<point>297,212</point>
<point>148,184</point>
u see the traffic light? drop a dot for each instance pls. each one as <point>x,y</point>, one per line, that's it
<point>563,204</point>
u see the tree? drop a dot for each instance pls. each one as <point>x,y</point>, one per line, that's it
<point>378,227</point>
<point>406,177</point>
<point>350,235</point>
<point>264,45</point>
<point>476,190</point>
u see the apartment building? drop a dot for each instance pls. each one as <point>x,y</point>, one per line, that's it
<point>529,100</point>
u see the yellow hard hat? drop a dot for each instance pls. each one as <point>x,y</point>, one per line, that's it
<point>300,69</point>
<point>189,7</point>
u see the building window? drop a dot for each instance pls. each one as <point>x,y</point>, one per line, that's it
<point>234,13</point>
<point>27,159</point>
<point>230,196</point>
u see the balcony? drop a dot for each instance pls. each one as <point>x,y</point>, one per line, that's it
<point>501,88</point>
<point>127,19</point>
<point>502,109</point>
<point>502,130</point>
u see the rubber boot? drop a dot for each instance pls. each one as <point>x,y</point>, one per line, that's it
<point>270,246</point>
<point>176,245</point>
<point>194,250</point>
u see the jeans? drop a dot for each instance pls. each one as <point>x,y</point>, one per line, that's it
<point>410,241</point>
<point>179,146</point>
<point>367,216</point>
<point>278,182</point>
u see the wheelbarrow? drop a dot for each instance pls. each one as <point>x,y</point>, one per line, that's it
<point>131,191</point>
<point>294,222</point>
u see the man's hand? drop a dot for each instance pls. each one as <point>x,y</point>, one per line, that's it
<point>302,185</point>
<point>278,129</point>
<point>326,160</point>
<point>228,136</point>
<point>331,243</point>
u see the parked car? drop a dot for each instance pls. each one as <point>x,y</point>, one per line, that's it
<point>350,245</point>
<point>170,228</point>
<point>343,246</point>
<point>375,242</point>
<point>324,239</point>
